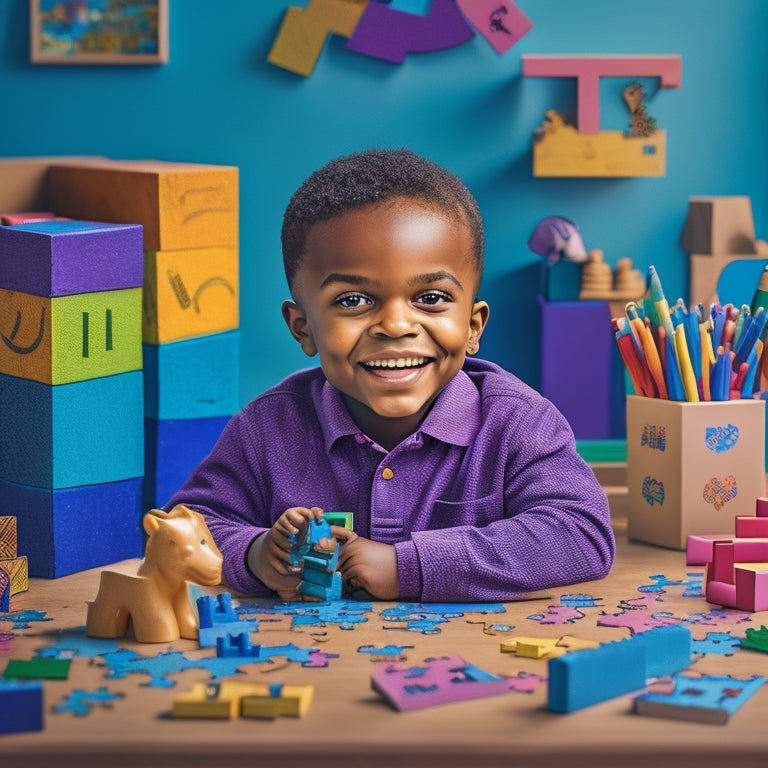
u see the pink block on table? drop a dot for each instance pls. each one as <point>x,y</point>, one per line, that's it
<point>751,589</point>
<point>745,549</point>
<point>748,527</point>
<point>500,22</point>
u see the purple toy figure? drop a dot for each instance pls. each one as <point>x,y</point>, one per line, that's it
<point>557,238</point>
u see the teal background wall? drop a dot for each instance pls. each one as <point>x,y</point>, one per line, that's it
<point>218,100</point>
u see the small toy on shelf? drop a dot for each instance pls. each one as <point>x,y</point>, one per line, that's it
<point>599,282</point>
<point>557,238</point>
<point>180,548</point>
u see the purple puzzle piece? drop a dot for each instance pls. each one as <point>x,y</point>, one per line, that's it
<point>388,34</point>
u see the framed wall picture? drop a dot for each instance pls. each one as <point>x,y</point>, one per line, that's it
<point>98,31</point>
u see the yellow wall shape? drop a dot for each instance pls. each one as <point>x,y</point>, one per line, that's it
<point>190,292</point>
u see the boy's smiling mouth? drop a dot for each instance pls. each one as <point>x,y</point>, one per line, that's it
<point>397,362</point>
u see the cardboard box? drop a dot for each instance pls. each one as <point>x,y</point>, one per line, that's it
<point>692,467</point>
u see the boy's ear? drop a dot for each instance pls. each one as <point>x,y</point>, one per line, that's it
<point>477,324</point>
<point>298,325</point>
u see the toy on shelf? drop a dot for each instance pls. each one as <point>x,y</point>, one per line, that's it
<point>584,150</point>
<point>557,237</point>
<point>598,280</point>
<point>180,548</point>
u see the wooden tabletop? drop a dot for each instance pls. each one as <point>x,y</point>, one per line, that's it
<point>348,720</point>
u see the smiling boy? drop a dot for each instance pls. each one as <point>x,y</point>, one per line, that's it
<point>464,483</point>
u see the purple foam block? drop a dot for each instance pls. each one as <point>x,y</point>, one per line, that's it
<point>61,258</point>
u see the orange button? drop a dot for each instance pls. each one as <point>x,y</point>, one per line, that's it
<point>387,473</point>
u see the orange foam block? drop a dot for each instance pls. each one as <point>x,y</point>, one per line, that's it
<point>180,205</point>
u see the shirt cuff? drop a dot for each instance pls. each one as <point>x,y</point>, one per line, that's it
<point>408,570</point>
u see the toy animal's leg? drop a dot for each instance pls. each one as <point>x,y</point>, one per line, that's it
<point>106,616</point>
<point>186,615</point>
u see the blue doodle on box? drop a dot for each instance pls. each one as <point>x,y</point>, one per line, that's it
<point>653,491</point>
<point>654,437</point>
<point>721,439</point>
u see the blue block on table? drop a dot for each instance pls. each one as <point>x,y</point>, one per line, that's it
<point>69,435</point>
<point>21,705</point>
<point>173,448</point>
<point>72,529</point>
<point>61,258</point>
<point>192,379</point>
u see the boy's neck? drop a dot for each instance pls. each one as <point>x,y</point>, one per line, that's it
<point>386,432</point>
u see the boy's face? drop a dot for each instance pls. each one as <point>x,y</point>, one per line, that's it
<point>386,295</point>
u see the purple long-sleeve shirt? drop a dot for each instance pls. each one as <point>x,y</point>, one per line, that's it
<point>486,501</point>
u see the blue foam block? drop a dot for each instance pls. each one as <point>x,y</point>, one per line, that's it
<point>69,435</point>
<point>60,258</point>
<point>192,379</point>
<point>21,704</point>
<point>173,449</point>
<point>71,529</point>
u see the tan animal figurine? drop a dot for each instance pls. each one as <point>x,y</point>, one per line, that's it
<point>180,548</point>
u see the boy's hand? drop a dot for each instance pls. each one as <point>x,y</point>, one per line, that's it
<point>269,557</point>
<point>368,564</point>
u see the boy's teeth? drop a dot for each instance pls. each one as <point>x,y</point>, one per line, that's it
<point>400,362</point>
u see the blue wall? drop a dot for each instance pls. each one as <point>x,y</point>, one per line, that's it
<point>219,101</point>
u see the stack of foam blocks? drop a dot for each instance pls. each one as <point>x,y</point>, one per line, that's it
<point>190,319</point>
<point>71,391</point>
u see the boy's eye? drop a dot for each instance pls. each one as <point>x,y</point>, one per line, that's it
<point>352,300</point>
<point>433,297</point>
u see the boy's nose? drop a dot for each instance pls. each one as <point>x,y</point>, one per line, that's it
<point>394,319</point>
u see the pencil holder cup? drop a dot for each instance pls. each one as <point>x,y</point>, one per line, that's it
<point>692,467</point>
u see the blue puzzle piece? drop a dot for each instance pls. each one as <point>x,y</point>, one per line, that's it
<point>384,650</point>
<point>73,642</point>
<point>22,619</point>
<point>580,601</point>
<point>722,643</point>
<point>80,702</point>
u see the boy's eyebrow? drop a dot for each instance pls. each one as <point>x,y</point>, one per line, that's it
<point>434,277</point>
<point>340,277</point>
<point>426,277</point>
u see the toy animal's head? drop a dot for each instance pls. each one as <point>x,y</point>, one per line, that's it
<point>181,546</point>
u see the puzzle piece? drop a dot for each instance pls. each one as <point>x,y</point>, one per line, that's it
<point>532,647</point>
<point>240,647</point>
<point>80,702</point>
<point>722,643</point>
<point>437,681</point>
<point>344,613</point>
<point>37,669</point>
<point>73,643</point>
<point>22,619</point>
<point>425,617</point>
<point>699,698</point>
<point>580,601</point>
<point>227,700</point>
<point>385,650</point>
<point>558,614</point>
<point>756,639</point>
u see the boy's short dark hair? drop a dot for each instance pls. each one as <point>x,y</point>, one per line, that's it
<point>368,177</point>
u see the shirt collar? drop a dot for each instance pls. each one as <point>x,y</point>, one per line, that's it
<point>454,417</point>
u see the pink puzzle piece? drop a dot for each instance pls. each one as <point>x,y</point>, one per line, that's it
<point>437,681</point>
<point>500,22</point>
<point>558,614</point>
